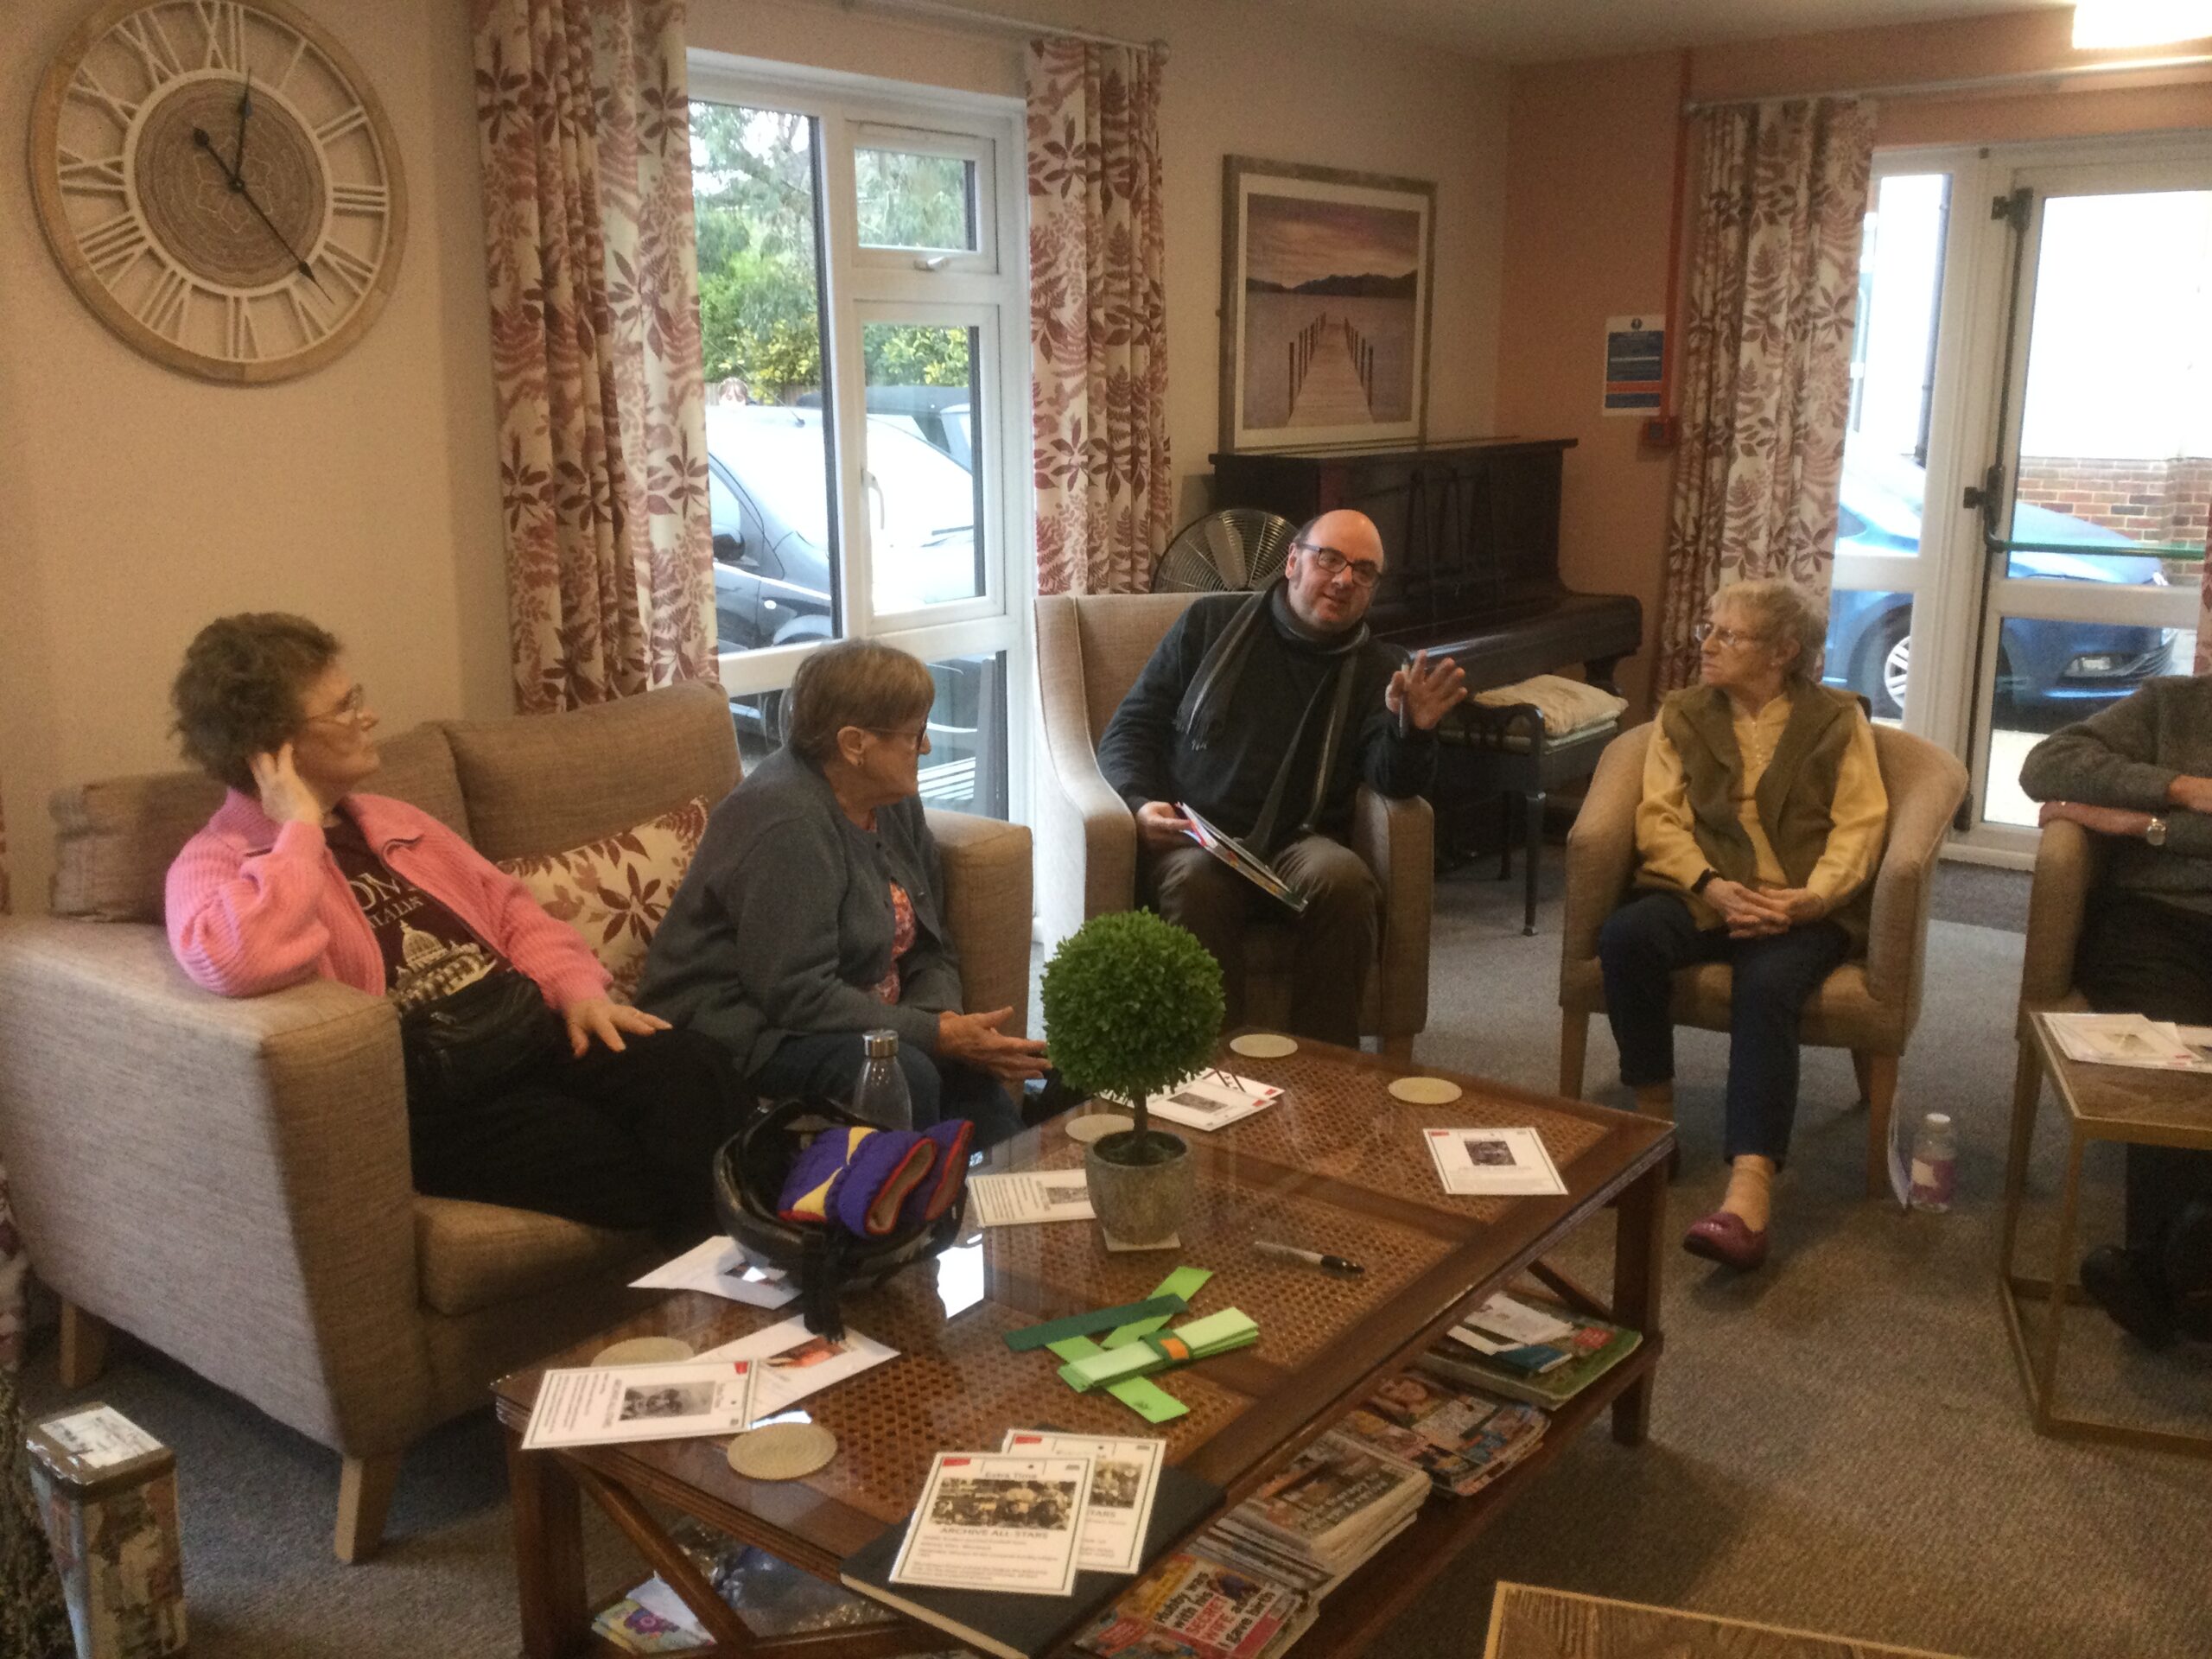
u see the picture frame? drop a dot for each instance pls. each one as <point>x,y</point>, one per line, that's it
<point>1327,291</point>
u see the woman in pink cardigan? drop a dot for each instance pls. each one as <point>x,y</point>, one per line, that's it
<point>525,1085</point>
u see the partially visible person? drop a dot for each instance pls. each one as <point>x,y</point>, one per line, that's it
<point>1264,714</point>
<point>1761,821</point>
<point>526,1085</point>
<point>813,911</point>
<point>2139,773</point>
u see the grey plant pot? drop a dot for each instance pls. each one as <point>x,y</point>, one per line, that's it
<point>1140,1204</point>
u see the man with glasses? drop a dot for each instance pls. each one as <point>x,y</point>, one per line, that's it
<point>1263,714</point>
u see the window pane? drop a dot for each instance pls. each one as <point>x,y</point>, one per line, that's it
<point>2115,458</point>
<point>965,768</point>
<point>2050,672</point>
<point>768,437</point>
<point>924,498</point>
<point>1870,646</point>
<point>1893,365</point>
<point>911,200</point>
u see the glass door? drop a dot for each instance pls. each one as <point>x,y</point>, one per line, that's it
<point>2093,520</point>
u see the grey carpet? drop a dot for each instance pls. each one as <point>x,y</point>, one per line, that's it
<point>1839,1442</point>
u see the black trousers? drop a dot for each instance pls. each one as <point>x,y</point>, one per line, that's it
<point>623,1140</point>
<point>2138,956</point>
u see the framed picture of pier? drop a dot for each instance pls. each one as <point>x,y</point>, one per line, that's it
<point>1325,292</point>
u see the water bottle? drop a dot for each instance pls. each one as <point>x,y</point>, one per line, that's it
<point>1935,1163</point>
<point>881,1097</point>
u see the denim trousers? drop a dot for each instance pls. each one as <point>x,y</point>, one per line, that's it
<point>828,1064</point>
<point>1640,947</point>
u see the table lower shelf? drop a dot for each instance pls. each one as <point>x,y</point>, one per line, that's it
<point>1355,1613</point>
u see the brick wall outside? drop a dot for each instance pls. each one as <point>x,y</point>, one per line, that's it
<point>2150,500</point>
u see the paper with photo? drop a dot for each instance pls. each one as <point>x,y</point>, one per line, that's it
<point>994,1521</point>
<point>610,1404</point>
<point>1124,1476</point>
<point>1212,1100</point>
<point>1517,1324</point>
<point>1030,1195</point>
<point>1493,1163</point>
<point>716,1267</point>
<point>793,1363</point>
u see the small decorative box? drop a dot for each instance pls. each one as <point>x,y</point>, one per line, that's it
<point>107,1491</point>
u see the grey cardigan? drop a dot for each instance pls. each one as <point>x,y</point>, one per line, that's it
<point>2125,756</point>
<point>783,924</point>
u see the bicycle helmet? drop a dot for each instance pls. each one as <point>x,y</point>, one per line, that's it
<point>823,1261</point>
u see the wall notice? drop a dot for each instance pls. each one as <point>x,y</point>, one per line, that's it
<point>1635,350</point>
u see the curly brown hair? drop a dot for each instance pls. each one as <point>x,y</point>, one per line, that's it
<point>238,693</point>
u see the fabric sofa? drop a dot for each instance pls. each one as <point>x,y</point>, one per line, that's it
<point>227,1180</point>
<point>1090,651</point>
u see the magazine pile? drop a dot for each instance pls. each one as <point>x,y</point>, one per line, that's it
<point>1249,1586</point>
<point>1535,1353</point>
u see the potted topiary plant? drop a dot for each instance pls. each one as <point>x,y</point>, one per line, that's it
<point>1132,1006</point>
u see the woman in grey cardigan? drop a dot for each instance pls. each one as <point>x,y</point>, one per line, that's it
<point>813,912</point>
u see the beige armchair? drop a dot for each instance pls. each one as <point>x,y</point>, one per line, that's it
<point>228,1180</point>
<point>1868,1005</point>
<point>2069,862</point>
<point>1089,651</point>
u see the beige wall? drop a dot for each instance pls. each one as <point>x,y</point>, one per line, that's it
<point>1589,159</point>
<point>136,502</point>
<point>1244,80</point>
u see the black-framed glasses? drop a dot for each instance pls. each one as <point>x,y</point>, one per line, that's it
<point>1729,637</point>
<point>350,711</point>
<point>1365,572</point>
<point>915,739</point>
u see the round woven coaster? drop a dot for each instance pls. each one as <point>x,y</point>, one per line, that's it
<point>1263,1044</point>
<point>782,1451</point>
<point>644,1351</point>
<point>1424,1091</point>
<point>1098,1126</point>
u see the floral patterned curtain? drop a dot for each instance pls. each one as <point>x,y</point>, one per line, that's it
<point>1098,314</point>
<point>1766,355</point>
<point>32,1622</point>
<point>594,288</point>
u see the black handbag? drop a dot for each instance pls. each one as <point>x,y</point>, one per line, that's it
<point>459,1048</point>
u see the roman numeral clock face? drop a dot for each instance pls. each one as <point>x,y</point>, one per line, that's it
<point>220,184</point>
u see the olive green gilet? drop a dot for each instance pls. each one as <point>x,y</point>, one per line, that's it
<point>1796,796</point>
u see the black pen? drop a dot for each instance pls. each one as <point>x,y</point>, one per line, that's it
<point>1336,1264</point>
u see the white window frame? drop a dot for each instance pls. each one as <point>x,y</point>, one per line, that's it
<point>987,289</point>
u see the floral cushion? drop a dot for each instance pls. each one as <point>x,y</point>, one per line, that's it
<point>615,891</point>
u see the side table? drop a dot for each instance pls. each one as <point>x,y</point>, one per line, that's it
<point>2101,1102</point>
<point>1527,1623</point>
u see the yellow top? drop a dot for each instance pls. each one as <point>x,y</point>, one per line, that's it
<point>1671,858</point>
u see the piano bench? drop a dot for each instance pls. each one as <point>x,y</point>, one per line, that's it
<point>1507,748</point>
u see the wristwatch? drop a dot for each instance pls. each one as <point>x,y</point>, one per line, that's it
<point>2155,832</point>
<point>1710,876</point>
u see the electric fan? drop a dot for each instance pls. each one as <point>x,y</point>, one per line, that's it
<point>1231,551</point>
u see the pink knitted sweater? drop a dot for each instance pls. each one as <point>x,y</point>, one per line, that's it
<point>254,905</point>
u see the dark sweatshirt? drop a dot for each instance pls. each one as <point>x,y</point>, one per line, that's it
<point>2125,756</point>
<point>1145,759</point>
<point>784,921</point>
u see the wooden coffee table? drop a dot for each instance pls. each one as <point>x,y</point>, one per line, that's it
<point>2101,1102</point>
<point>1337,1163</point>
<point>1528,1622</point>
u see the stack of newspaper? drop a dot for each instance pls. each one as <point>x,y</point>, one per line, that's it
<point>1462,1436</point>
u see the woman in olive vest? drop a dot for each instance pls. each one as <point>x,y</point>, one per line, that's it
<point>1761,821</point>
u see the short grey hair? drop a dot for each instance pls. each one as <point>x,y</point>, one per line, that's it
<point>1785,612</point>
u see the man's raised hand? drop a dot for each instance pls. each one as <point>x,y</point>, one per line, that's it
<point>1161,827</point>
<point>1425,692</point>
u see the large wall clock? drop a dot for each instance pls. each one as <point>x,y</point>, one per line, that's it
<point>219,183</point>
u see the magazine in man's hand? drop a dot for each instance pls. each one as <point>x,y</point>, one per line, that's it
<point>1242,859</point>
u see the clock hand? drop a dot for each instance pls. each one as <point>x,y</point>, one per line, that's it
<point>237,150</point>
<point>200,137</point>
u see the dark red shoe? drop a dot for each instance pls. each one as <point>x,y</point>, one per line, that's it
<point>1723,1237</point>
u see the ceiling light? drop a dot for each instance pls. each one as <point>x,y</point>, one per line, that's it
<point>2140,23</point>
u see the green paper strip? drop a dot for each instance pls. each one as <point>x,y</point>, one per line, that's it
<point>1186,1282</point>
<point>1230,1328</point>
<point>1083,1324</point>
<point>1072,1348</point>
<point>1149,1399</point>
<point>1109,1365</point>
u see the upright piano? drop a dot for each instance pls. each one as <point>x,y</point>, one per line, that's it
<point>1472,533</point>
